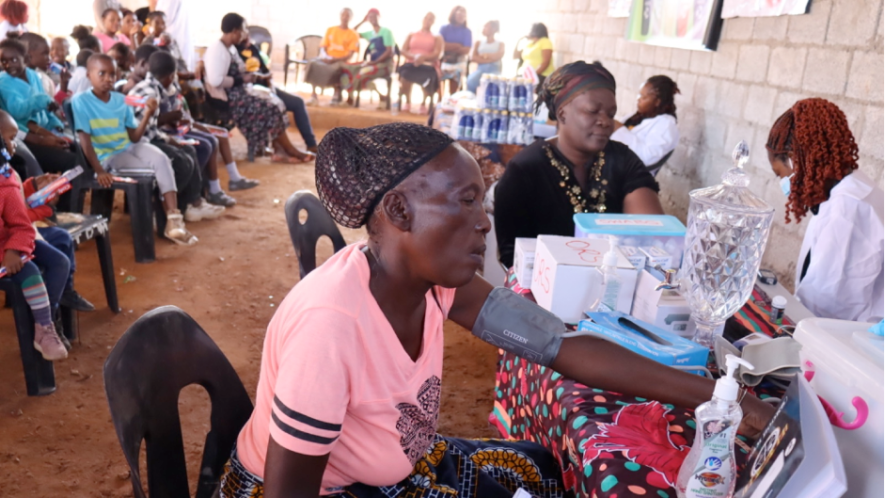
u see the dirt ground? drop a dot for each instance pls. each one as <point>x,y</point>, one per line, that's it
<point>64,444</point>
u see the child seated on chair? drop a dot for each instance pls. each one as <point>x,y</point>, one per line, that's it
<point>22,95</point>
<point>162,132</point>
<point>17,241</point>
<point>79,79</point>
<point>37,58</point>
<point>112,142</point>
<point>56,237</point>
<point>58,53</point>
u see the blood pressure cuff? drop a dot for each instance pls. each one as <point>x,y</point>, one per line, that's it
<point>519,326</point>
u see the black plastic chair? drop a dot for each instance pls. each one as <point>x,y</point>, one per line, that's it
<point>388,79</point>
<point>142,198</point>
<point>306,49</point>
<point>305,235</point>
<point>39,373</point>
<point>160,354</point>
<point>262,38</point>
<point>656,168</point>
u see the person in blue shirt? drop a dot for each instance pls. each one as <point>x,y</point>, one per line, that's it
<point>112,141</point>
<point>23,97</point>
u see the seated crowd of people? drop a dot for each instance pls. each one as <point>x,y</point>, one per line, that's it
<point>428,58</point>
<point>136,106</point>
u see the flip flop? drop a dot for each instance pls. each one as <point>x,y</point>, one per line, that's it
<point>308,157</point>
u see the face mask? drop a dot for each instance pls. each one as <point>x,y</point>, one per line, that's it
<point>785,185</point>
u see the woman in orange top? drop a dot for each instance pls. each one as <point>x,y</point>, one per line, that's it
<point>339,45</point>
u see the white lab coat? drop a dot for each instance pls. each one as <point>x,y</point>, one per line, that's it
<point>845,274</point>
<point>652,139</point>
<point>178,26</point>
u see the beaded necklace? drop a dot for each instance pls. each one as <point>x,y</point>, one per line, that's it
<point>573,191</point>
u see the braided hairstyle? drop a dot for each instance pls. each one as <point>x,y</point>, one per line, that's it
<point>665,89</point>
<point>814,134</point>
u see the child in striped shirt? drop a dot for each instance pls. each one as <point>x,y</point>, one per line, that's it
<point>111,140</point>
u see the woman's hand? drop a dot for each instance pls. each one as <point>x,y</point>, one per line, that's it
<point>44,180</point>
<point>12,260</point>
<point>757,414</point>
<point>419,60</point>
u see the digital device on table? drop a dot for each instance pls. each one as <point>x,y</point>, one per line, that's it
<point>767,277</point>
<point>796,455</point>
<point>25,259</point>
<point>55,188</point>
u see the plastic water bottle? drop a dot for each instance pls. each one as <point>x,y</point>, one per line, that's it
<point>481,91</point>
<point>503,100</point>
<point>490,129</point>
<point>529,131</point>
<point>479,118</point>
<point>503,127</point>
<point>492,93</point>
<point>466,122</point>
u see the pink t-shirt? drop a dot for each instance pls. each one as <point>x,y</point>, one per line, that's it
<point>336,379</point>
<point>109,41</point>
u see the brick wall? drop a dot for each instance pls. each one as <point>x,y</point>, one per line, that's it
<point>761,67</point>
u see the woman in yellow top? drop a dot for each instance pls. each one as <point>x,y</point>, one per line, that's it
<point>339,45</point>
<point>538,53</point>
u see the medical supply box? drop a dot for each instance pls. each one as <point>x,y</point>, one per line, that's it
<point>664,308</point>
<point>638,230</point>
<point>647,340</point>
<point>524,260</point>
<point>847,361</point>
<point>566,277</point>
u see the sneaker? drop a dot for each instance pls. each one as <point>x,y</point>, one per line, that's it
<point>242,184</point>
<point>47,342</point>
<point>60,329</point>
<point>176,231</point>
<point>72,299</point>
<point>314,101</point>
<point>221,199</point>
<point>204,211</point>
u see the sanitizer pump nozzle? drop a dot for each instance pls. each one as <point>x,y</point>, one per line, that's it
<point>727,386</point>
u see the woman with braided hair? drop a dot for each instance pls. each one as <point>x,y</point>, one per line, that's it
<point>651,132</point>
<point>578,171</point>
<point>349,394</point>
<point>839,273</point>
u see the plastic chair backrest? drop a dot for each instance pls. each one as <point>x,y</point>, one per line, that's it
<point>655,168</point>
<point>310,46</point>
<point>305,235</point>
<point>161,353</point>
<point>261,36</point>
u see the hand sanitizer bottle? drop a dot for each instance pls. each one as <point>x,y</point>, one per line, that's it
<point>709,470</point>
<point>611,281</point>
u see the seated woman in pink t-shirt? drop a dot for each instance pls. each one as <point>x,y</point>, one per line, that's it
<point>421,51</point>
<point>107,33</point>
<point>349,392</point>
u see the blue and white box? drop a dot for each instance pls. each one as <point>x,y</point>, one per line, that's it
<point>638,230</point>
<point>646,339</point>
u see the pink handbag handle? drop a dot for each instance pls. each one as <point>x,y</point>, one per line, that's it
<point>836,418</point>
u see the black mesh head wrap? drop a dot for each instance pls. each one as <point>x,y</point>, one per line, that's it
<point>355,167</point>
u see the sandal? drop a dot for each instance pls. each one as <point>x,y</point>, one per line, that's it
<point>306,158</point>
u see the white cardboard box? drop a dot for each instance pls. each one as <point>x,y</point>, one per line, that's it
<point>524,260</point>
<point>565,275</point>
<point>666,309</point>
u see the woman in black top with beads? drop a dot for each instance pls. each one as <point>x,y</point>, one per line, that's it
<point>578,171</point>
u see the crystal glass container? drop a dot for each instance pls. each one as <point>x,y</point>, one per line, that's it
<point>725,237</point>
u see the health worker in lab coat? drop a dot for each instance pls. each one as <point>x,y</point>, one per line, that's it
<point>651,132</point>
<point>839,273</point>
